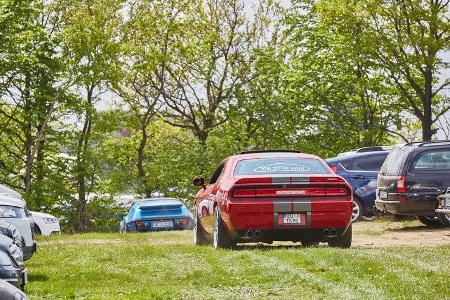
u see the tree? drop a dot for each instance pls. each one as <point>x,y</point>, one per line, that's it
<point>409,37</point>
<point>90,34</point>
<point>30,89</point>
<point>340,98</point>
<point>149,37</point>
<point>204,78</point>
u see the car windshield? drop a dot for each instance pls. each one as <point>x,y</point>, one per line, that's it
<point>287,165</point>
<point>394,162</point>
<point>11,212</point>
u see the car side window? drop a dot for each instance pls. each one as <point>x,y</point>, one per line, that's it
<point>216,174</point>
<point>131,211</point>
<point>433,161</point>
<point>367,163</point>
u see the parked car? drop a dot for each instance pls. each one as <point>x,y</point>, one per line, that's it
<point>13,211</point>
<point>10,292</point>
<point>11,231</point>
<point>45,224</point>
<point>443,210</point>
<point>412,178</point>
<point>266,196</point>
<point>360,169</point>
<point>11,263</point>
<point>156,214</point>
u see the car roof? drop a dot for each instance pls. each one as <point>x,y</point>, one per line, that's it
<point>272,154</point>
<point>11,201</point>
<point>156,201</point>
<point>351,155</point>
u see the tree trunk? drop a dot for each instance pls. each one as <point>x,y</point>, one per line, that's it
<point>427,120</point>
<point>83,142</point>
<point>141,158</point>
<point>28,141</point>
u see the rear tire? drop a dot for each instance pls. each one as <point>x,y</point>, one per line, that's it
<point>199,237</point>
<point>343,241</point>
<point>220,236</point>
<point>37,231</point>
<point>309,244</point>
<point>444,219</point>
<point>357,210</point>
<point>429,221</point>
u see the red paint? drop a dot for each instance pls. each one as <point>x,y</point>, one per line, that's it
<point>256,202</point>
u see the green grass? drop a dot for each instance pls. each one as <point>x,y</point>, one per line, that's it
<point>165,265</point>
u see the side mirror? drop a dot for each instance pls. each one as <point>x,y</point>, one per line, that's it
<point>119,216</point>
<point>199,181</point>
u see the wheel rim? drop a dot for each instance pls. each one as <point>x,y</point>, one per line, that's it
<point>194,231</point>
<point>356,211</point>
<point>216,229</point>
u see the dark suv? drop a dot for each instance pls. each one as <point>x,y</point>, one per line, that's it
<point>412,178</point>
<point>360,169</point>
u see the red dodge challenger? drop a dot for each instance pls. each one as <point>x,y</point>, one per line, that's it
<point>266,196</point>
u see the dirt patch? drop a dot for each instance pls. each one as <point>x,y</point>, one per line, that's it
<point>386,233</point>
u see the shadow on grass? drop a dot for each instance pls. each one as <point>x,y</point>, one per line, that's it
<point>262,246</point>
<point>37,277</point>
<point>419,228</point>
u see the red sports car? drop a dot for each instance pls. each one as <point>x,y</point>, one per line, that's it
<point>266,196</point>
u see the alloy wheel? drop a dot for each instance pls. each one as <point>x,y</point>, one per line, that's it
<point>216,230</point>
<point>356,211</point>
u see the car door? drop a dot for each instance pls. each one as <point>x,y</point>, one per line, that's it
<point>205,200</point>
<point>429,174</point>
<point>362,174</point>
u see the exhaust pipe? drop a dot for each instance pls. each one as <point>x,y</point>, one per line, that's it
<point>333,232</point>
<point>249,234</point>
<point>326,232</point>
<point>257,234</point>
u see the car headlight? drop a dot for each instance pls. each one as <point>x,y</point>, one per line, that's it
<point>50,220</point>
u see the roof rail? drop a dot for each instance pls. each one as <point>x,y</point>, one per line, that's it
<point>424,143</point>
<point>370,149</point>
<point>269,151</point>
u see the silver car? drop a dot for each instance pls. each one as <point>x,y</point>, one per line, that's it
<point>13,211</point>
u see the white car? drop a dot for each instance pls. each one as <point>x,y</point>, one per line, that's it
<point>13,211</point>
<point>45,224</point>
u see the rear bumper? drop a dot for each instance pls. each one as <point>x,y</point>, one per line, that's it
<point>296,235</point>
<point>263,214</point>
<point>29,250</point>
<point>407,207</point>
<point>443,210</point>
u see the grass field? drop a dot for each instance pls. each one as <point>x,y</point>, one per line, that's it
<point>165,265</point>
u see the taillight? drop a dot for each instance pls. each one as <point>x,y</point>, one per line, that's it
<point>244,193</point>
<point>401,184</point>
<point>334,169</point>
<point>290,192</point>
<point>326,179</point>
<point>183,221</point>
<point>336,191</point>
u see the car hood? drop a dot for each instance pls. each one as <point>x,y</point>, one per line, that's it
<point>41,215</point>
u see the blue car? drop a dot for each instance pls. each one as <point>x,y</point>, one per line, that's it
<point>156,214</point>
<point>360,169</point>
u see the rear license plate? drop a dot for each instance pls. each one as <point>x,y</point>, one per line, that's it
<point>383,195</point>
<point>291,219</point>
<point>162,224</point>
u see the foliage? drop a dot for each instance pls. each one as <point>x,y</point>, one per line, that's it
<point>100,98</point>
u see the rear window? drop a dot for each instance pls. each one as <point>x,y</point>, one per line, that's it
<point>367,163</point>
<point>273,166</point>
<point>433,160</point>
<point>394,162</point>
